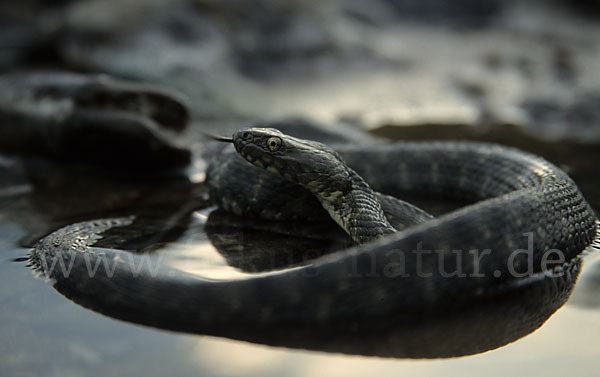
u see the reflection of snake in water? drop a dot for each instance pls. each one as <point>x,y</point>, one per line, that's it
<point>530,221</point>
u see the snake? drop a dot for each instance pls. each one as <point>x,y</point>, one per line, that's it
<point>526,220</point>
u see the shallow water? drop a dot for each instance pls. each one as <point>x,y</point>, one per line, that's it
<point>45,333</point>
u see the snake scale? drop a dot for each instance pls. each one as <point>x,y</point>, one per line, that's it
<point>528,219</point>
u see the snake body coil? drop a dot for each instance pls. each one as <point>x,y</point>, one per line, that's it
<point>529,220</point>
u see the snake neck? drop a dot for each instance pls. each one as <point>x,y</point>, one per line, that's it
<point>357,211</point>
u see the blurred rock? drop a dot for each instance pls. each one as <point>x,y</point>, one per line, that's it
<point>379,62</point>
<point>90,119</point>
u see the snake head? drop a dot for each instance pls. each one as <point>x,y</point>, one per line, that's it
<point>310,164</point>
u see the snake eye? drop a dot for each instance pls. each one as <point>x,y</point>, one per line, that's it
<point>247,136</point>
<point>274,143</point>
